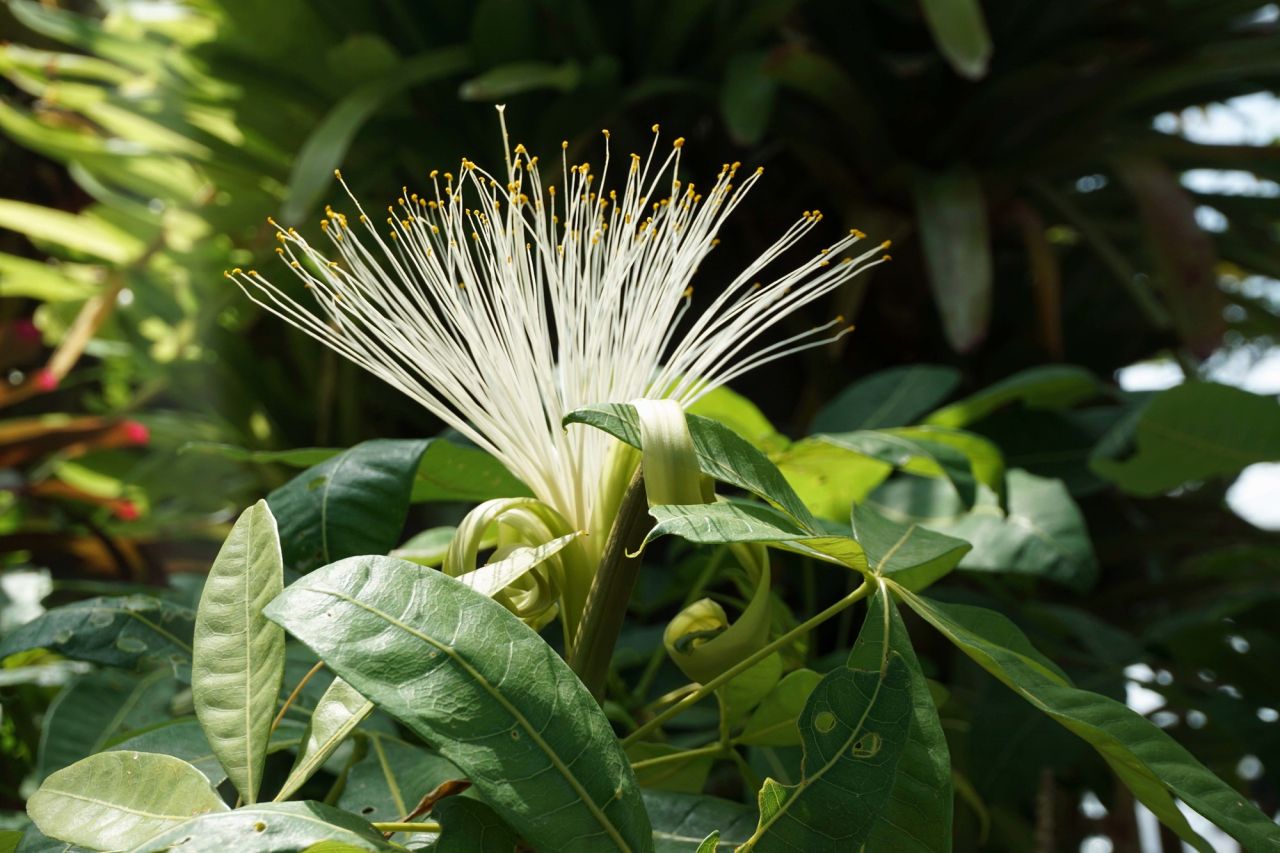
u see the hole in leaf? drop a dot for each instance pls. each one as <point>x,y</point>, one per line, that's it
<point>368,810</point>
<point>866,746</point>
<point>515,735</point>
<point>824,722</point>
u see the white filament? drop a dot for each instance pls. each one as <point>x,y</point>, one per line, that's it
<point>503,305</point>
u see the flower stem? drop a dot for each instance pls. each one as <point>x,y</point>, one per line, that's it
<point>606,606</point>
<point>746,663</point>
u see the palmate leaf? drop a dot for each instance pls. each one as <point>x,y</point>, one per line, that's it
<point>484,690</point>
<point>114,800</point>
<point>239,658</point>
<point>1150,762</point>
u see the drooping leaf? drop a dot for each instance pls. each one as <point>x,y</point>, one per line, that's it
<point>722,454</point>
<point>960,31</point>
<point>854,728</point>
<point>472,680</point>
<point>746,100</point>
<point>81,233</point>
<point>516,77</point>
<point>115,800</point>
<point>335,717</point>
<point>125,631</point>
<point>1151,763</point>
<point>183,738</point>
<point>740,415</point>
<point>96,708</point>
<point>392,778</point>
<point>952,215</point>
<point>327,144</point>
<point>469,826</point>
<point>917,817</point>
<point>267,828</point>
<point>1056,386</point>
<point>682,821</point>
<point>352,504</point>
<point>239,659</point>
<point>890,398</point>
<point>912,555</point>
<point>1194,431</point>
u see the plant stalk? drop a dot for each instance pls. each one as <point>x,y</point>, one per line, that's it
<point>611,589</point>
<point>746,663</point>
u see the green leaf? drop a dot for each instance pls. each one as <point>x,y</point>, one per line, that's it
<point>9,839</point>
<point>336,716</point>
<point>183,738</point>
<point>682,821</point>
<point>894,397</point>
<point>740,415</point>
<point>914,453</point>
<point>35,841</point>
<point>94,709</point>
<point>267,828</point>
<point>1042,533</point>
<point>114,800</point>
<point>516,77</point>
<point>326,145</point>
<point>48,282</point>
<point>1195,431</point>
<point>747,97</point>
<point>687,774</point>
<point>917,817</point>
<point>710,844</point>
<point>960,31</point>
<point>1046,387</point>
<point>299,457</point>
<point>1151,763</point>
<point>239,657</point>
<point>125,631</point>
<point>854,728</point>
<point>722,454</point>
<point>472,680</point>
<point>830,479</point>
<point>773,723</point>
<point>1057,445</point>
<point>392,779</point>
<point>82,233</point>
<point>912,555</point>
<point>470,826</point>
<point>713,524</point>
<point>456,472</point>
<point>952,214</point>
<point>352,504</point>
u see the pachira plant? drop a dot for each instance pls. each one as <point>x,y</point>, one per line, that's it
<point>479,687</point>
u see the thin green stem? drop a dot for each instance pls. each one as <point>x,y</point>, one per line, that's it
<point>397,826</point>
<point>746,663</point>
<point>715,750</point>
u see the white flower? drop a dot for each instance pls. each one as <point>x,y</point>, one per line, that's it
<point>503,304</point>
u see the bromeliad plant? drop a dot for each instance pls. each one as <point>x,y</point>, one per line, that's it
<point>542,324</point>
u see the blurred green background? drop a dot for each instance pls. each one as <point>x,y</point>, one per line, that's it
<point>1035,164</point>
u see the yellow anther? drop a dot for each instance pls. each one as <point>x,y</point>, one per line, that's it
<point>886,244</point>
<point>434,174</point>
<point>337,173</point>
<point>654,128</point>
<point>679,143</point>
<point>564,144</point>
<point>605,131</point>
<point>237,271</point>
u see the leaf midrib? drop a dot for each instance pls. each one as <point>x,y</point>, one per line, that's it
<point>502,700</point>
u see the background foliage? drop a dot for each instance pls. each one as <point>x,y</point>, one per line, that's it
<point>1010,151</point>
